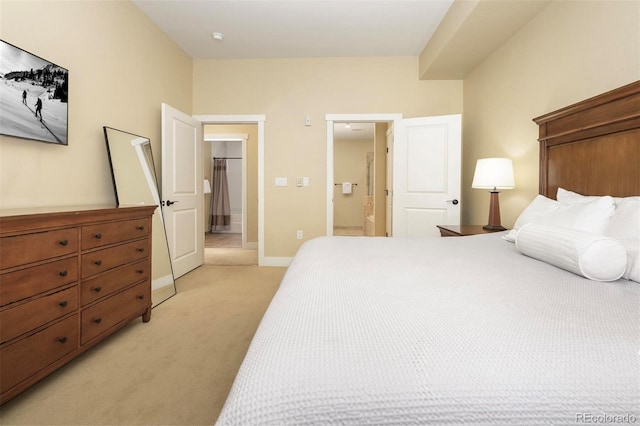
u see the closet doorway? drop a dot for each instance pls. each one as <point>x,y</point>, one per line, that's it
<point>231,210</point>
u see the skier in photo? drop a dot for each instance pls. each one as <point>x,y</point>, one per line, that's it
<point>38,106</point>
<point>24,97</point>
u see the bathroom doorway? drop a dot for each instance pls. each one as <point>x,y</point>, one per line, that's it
<point>381,192</point>
<point>355,178</point>
<point>231,210</point>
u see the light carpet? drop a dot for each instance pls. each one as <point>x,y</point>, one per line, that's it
<point>175,370</point>
<point>230,257</point>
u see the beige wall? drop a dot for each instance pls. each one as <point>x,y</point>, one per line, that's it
<point>350,165</point>
<point>121,68</point>
<point>285,91</point>
<point>569,52</point>
<point>252,171</point>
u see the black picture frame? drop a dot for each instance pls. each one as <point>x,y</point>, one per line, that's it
<point>34,96</point>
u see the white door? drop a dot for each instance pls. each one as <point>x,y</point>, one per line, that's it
<point>182,182</point>
<point>426,175</point>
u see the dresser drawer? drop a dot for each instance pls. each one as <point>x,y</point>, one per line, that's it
<point>103,260</point>
<point>119,307</point>
<point>26,357</point>
<point>28,248</point>
<point>113,280</point>
<point>113,232</point>
<point>33,314</point>
<point>15,286</point>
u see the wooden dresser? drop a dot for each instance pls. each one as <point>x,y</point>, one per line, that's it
<point>68,279</point>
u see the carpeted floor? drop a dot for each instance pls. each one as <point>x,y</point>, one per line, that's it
<point>175,370</point>
<point>216,240</point>
<point>230,257</point>
<point>226,250</point>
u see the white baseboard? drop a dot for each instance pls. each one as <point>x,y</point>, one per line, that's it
<point>162,282</point>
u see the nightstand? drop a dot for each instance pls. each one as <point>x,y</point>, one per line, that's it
<point>462,230</point>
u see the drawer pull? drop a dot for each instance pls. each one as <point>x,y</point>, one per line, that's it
<point>97,289</point>
<point>62,340</point>
<point>64,242</point>
<point>63,303</point>
<point>97,320</point>
<point>98,262</point>
<point>63,273</point>
<point>98,236</point>
<point>141,249</point>
<point>140,271</point>
<point>140,228</point>
<point>140,296</point>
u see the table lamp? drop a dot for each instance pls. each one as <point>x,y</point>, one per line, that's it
<point>494,174</point>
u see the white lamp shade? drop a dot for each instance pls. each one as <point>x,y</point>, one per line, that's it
<point>207,187</point>
<point>493,173</point>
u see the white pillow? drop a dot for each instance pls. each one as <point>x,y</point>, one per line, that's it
<point>570,197</point>
<point>623,226</point>
<point>593,256</point>
<point>591,215</point>
<point>538,208</point>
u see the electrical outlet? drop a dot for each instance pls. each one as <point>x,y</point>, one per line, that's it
<point>299,235</point>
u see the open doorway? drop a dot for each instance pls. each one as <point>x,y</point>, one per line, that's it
<point>231,210</point>
<point>370,163</point>
<point>354,179</point>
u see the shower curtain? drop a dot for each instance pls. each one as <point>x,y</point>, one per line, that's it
<point>220,208</point>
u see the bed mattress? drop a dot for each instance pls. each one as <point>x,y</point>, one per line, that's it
<point>438,331</point>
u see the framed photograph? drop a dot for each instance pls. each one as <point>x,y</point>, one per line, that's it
<point>33,96</point>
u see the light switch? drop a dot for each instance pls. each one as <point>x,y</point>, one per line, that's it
<point>305,181</point>
<point>299,181</point>
<point>307,120</point>
<point>281,181</point>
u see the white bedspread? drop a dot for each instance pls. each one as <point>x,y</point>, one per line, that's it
<point>439,331</point>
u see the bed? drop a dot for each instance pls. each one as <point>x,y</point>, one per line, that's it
<point>465,330</point>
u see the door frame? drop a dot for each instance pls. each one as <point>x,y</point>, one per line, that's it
<point>346,118</point>
<point>259,120</point>
<point>242,138</point>
<point>388,199</point>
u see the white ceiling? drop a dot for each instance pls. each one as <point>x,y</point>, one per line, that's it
<point>355,131</point>
<point>297,28</point>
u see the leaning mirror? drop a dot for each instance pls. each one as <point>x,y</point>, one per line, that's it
<point>135,184</point>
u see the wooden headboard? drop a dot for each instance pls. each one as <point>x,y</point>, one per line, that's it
<point>593,147</point>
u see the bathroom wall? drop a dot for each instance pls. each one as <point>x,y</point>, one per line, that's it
<point>381,179</point>
<point>234,170</point>
<point>350,165</point>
